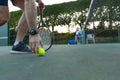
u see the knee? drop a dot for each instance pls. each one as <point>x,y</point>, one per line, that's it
<point>3,21</point>
<point>4,14</point>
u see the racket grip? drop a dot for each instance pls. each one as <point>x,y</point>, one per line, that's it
<point>41,6</point>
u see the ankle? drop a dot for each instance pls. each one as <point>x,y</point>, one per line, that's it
<point>16,42</point>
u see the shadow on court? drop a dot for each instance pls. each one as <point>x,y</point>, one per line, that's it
<point>63,62</point>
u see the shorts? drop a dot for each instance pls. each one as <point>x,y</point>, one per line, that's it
<point>3,2</point>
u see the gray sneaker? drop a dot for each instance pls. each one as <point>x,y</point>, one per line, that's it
<point>21,48</point>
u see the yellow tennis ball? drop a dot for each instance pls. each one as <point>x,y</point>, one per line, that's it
<point>41,52</point>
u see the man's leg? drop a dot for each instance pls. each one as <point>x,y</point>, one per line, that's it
<point>28,20</point>
<point>22,29</point>
<point>19,46</point>
<point>4,14</point>
<point>22,26</point>
<point>30,13</point>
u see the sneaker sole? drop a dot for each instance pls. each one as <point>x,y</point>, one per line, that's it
<point>19,52</point>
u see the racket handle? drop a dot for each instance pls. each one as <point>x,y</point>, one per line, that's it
<point>41,6</point>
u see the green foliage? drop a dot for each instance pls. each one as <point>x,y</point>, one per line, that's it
<point>14,17</point>
<point>105,10</point>
<point>108,33</point>
<point>65,8</point>
<point>63,38</point>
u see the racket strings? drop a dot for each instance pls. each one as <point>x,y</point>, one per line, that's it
<point>45,36</point>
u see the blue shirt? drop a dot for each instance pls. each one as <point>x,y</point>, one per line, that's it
<point>79,33</point>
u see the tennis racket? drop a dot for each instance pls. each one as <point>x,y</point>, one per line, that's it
<point>44,31</point>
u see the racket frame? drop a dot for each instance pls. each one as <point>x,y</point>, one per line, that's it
<point>43,24</point>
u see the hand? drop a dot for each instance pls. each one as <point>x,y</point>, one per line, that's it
<point>41,6</point>
<point>35,42</point>
<point>40,3</point>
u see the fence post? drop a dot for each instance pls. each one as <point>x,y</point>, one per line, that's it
<point>84,35</point>
<point>4,35</point>
<point>118,34</point>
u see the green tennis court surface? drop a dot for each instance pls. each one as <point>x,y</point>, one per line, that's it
<point>63,62</point>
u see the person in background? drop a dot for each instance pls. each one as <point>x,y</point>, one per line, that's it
<point>27,22</point>
<point>78,35</point>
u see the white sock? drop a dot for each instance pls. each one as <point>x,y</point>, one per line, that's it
<point>16,42</point>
